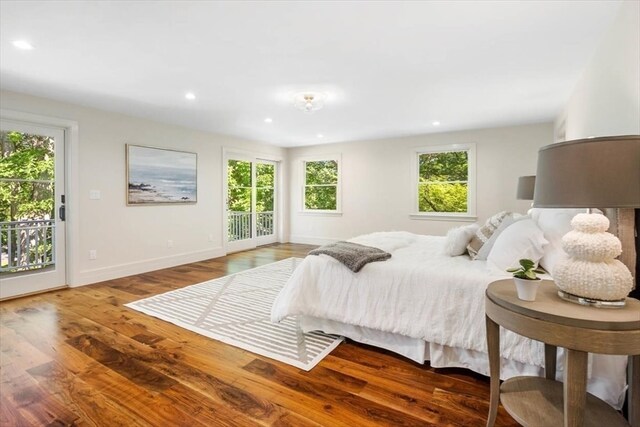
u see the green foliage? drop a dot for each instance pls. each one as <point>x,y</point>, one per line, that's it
<point>527,270</point>
<point>26,158</point>
<point>239,186</point>
<point>265,175</point>
<point>446,166</point>
<point>323,172</point>
<point>265,183</point>
<point>320,198</point>
<point>321,185</point>
<point>442,185</point>
<point>240,189</point>
<point>442,197</point>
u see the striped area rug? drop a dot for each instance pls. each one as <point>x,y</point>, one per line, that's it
<point>236,310</point>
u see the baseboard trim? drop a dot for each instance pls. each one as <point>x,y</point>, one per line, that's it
<point>28,294</point>
<point>87,277</point>
<point>310,240</point>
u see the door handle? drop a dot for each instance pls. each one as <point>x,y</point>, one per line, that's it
<point>62,213</point>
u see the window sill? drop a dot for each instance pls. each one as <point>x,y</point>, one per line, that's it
<point>443,217</point>
<point>320,213</point>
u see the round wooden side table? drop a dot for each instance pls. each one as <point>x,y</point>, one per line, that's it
<point>535,401</point>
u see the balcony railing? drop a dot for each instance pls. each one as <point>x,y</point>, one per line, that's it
<point>240,225</point>
<point>27,245</point>
<point>264,224</point>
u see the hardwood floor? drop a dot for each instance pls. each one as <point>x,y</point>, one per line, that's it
<point>79,357</point>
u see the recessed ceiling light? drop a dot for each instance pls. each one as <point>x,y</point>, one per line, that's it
<point>22,44</point>
<point>268,120</point>
<point>190,95</point>
<point>320,135</point>
<point>436,123</point>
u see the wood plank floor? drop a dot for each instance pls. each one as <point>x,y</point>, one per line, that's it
<point>78,357</point>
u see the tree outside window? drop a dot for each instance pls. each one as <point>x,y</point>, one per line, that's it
<point>27,169</point>
<point>443,181</point>
<point>239,181</point>
<point>265,185</point>
<point>26,174</point>
<point>321,185</point>
<point>239,186</point>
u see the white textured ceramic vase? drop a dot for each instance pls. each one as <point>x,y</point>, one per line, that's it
<point>526,289</point>
<point>591,269</point>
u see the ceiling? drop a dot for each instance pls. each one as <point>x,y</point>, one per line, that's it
<point>387,68</point>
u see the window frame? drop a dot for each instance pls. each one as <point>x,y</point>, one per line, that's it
<point>303,185</point>
<point>470,214</point>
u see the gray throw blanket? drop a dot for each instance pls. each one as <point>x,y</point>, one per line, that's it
<point>353,255</point>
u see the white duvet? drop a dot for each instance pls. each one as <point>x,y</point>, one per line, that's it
<point>420,292</point>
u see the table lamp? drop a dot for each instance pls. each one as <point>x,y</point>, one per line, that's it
<point>526,184</point>
<point>590,173</point>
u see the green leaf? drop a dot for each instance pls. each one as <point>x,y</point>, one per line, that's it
<point>26,158</point>
<point>320,198</point>
<point>527,264</point>
<point>323,172</point>
<point>442,197</point>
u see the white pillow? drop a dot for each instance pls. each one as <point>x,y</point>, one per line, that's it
<point>554,223</point>
<point>458,238</point>
<point>522,239</point>
<point>484,233</point>
<point>484,251</point>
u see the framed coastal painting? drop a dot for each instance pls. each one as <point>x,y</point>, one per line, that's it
<point>161,176</point>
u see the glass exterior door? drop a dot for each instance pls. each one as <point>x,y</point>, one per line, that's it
<point>251,203</point>
<point>32,228</point>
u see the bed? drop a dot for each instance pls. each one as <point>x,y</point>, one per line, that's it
<point>426,306</point>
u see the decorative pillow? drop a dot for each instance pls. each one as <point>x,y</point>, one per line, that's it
<point>522,239</point>
<point>457,239</point>
<point>484,233</point>
<point>554,223</point>
<point>484,251</point>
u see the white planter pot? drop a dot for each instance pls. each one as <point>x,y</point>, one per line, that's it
<point>526,289</point>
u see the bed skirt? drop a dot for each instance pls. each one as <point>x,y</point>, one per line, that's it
<point>606,379</point>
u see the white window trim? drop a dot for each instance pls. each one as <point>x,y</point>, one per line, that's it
<point>470,215</point>
<point>303,179</point>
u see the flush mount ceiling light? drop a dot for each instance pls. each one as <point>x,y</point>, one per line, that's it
<point>309,101</point>
<point>190,95</point>
<point>268,120</point>
<point>22,44</point>
<point>436,123</point>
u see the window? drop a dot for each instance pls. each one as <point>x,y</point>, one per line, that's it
<point>445,184</point>
<point>321,185</point>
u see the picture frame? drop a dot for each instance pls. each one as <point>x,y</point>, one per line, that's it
<point>158,176</point>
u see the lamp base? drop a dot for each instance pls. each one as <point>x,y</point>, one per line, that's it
<point>591,301</point>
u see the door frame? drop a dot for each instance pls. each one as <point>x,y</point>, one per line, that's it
<point>249,156</point>
<point>71,158</point>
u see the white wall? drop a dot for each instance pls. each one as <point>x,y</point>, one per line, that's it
<point>133,239</point>
<point>377,182</point>
<point>606,99</point>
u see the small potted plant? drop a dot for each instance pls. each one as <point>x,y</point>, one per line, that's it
<point>526,280</point>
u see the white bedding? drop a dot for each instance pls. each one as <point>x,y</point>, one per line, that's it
<point>419,292</point>
<point>425,295</point>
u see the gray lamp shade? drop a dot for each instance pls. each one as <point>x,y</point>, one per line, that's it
<point>589,173</point>
<point>526,185</point>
